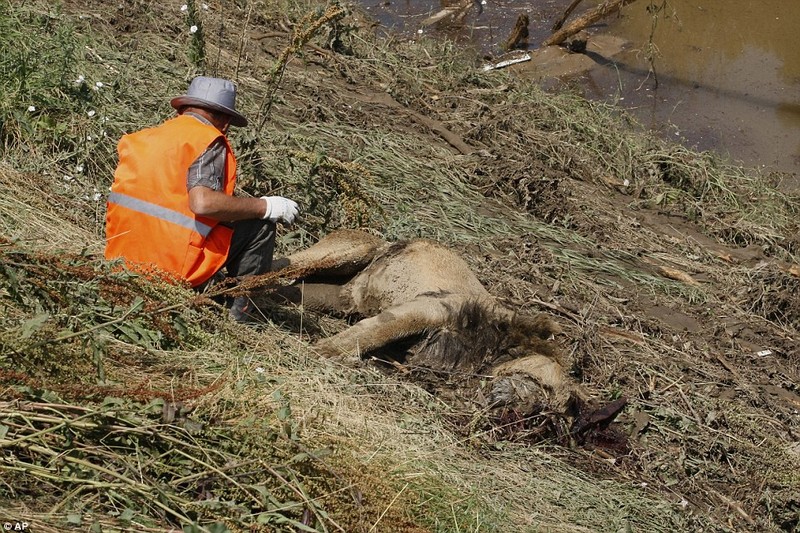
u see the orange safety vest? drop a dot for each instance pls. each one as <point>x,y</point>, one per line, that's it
<point>148,221</point>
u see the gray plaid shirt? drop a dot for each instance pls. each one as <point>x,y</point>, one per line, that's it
<point>208,169</point>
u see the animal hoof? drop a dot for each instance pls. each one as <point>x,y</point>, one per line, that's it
<point>328,350</point>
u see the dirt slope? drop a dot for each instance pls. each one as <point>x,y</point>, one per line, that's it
<point>672,303</point>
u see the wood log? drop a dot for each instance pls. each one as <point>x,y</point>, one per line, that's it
<point>457,10</point>
<point>519,35</point>
<point>586,20</point>
<point>560,22</point>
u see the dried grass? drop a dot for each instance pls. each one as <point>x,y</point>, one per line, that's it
<point>542,212</point>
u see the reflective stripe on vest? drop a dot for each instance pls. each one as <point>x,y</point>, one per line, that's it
<point>160,212</point>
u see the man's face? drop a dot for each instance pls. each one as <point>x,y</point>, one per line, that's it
<point>222,122</point>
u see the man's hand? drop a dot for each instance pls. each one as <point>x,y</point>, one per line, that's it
<point>280,209</point>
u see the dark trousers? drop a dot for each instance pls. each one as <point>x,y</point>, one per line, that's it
<point>252,246</point>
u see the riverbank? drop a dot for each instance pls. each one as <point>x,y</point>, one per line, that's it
<point>709,76</point>
<point>129,405</point>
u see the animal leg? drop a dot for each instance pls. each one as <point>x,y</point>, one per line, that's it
<point>540,325</point>
<point>340,253</point>
<point>394,324</point>
<point>323,297</point>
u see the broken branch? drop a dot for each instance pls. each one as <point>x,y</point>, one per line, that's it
<point>560,22</point>
<point>586,20</point>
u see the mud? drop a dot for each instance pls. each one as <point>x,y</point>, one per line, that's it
<point>727,77</point>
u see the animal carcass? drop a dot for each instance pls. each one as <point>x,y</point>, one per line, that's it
<point>420,303</point>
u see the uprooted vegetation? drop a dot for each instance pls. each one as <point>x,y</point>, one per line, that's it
<point>129,404</point>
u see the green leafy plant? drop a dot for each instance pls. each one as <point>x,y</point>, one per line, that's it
<point>197,40</point>
<point>73,304</point>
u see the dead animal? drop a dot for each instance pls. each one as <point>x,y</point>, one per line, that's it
<point>421,304</point>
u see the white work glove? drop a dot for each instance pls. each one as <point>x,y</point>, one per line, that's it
<point>280,208</point>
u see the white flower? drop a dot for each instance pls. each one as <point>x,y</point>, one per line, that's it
<point>260,370</point>
<point>69,179</point>
<point>96,196</point>
<point>79,168</point>
<point>80,79</point>
<point>88,137</point>
<point>205,6</point>
<point>193,29</point>
<point>31,108</point>
<point>92,113</point>
<point>419,31</point>
<point>184,7</point>
<point>99,85</point>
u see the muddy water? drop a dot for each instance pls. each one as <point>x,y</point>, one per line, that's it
<point>725,75</point>
<point>728,75</point>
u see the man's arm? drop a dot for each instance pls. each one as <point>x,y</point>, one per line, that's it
<point>204,181</point>
<point>207,202</point>
<point>205,184</point>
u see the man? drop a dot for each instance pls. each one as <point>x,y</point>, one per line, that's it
<point>172,205</point>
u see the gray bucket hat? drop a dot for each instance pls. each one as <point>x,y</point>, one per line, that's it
<point>216,94</point>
